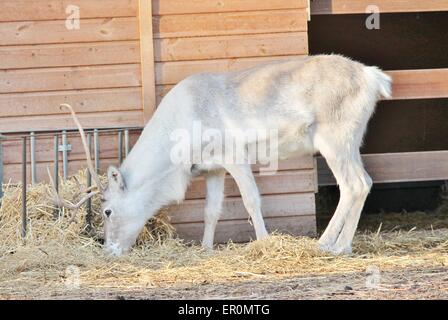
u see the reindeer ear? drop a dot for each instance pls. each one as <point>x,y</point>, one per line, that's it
<point>115,178</point>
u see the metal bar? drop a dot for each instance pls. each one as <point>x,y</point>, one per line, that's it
<point>56,162</point>
<point>89,183</point>
<point>33,158</point>
<point>126,142</point>
<point>56,170</point>
<point>64,155</point>
<point>50,133</point>
<point>96,146</point>
<point>24,213</point>
<point>120,147</point>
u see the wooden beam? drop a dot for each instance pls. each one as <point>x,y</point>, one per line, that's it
<point>407,84</point>
<point>70,78</point>
<point>385,6</point>
<point>297,181</point>
<point>419,84</point>
<point>55,31</point>
<point>230,23</point>
<point>147,59</point>
<point>13,172</point>
<point>168,73</point>
<point>243,230</point>
<point>23,10</point>
<point>89,100</point>
<point>69,54</point>
<point>280,205</point>
<point>213,47</point>
<point>44,145</point>
<point>397,167</point>
<point>168,7</point>
<point>133,118</point>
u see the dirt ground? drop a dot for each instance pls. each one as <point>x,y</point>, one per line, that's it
<point>402,284</point>
<point>414,282</point>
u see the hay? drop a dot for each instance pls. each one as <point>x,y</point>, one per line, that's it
<point>52,245</point>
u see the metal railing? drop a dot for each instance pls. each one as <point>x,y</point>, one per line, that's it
<point>64,148</point>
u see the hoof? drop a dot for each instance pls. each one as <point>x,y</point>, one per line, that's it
<point>207,247</point>
<point>335,250</point>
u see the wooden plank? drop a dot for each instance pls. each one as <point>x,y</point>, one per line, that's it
<point>407,84</point>
<point>385,6</point>
<point>21,10</point>
<point>232,23</point>
<point>397,167</point>
<point>203,48</point>
<point>166,7</point>
<point>55,31</point>
<point>45,103</point>
<point>282,182</point>
<point>45,146</point>
<point>168,73</point>
<point>147,59</point>
<point>89,120</point>
<point>281,205</point>
<point>70,78</point>
<point>44,152</point>
<point>69,54</point>
<point>295,181</point>
<point>301,163</point>
<point>13,172</point>
<point>419,84</point>
<point>242,231</point>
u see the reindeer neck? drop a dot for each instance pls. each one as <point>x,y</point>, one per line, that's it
<point>149,160</point>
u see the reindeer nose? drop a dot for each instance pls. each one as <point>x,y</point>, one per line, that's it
<point>108,212</point>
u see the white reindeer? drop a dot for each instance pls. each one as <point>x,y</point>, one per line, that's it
<point>318,104</point>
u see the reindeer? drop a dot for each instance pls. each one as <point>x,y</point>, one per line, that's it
<point>318,104</point>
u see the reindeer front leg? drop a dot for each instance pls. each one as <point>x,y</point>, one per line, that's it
<point>245,180</point>
<point>215,196</point>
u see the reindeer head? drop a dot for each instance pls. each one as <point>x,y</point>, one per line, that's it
<point>122,214</point>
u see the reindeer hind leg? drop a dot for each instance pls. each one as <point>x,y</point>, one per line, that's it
<point>354,185</point>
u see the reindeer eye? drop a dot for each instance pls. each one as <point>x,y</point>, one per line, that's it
<point>107,212</point>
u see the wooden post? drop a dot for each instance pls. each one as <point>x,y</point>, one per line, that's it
<point>308,10</point>
<point>147,59</point>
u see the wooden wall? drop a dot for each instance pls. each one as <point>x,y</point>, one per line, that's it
<point>125,57</point>
<point>200,36</point>
<point>413,48</point>
<point>386,6</point>
<point>95,68</point>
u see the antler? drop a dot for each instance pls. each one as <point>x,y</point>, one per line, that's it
<point>92,171</point>
<point>66,204</point>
